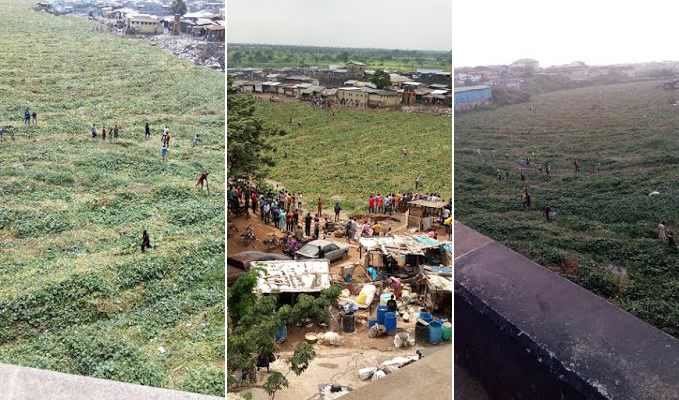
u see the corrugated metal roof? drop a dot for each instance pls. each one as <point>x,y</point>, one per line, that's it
<point>470,88</point>
<point>292,276</point>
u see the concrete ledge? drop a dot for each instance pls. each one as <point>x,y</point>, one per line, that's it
<point>429,378</point>
<point>528,333</point>
<point>19,383</point>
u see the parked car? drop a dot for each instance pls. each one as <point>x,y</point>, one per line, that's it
<point>322,249</point>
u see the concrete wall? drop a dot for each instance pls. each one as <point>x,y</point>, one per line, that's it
<point>19,383</point>
<point>527,333</point>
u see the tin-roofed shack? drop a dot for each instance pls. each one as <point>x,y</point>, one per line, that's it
<point>294,276</point>
<point>402,255</point>
<point>424,213</point>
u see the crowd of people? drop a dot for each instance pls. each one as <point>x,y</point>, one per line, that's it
<point>396,202</point>
<point>285,210</point>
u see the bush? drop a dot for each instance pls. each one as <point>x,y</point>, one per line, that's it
<point>207,380</point>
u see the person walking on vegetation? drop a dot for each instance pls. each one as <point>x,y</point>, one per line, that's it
<point>94,131</point>
<point>670,240</point>
<point>147,131</point>
<point>202,180</point>
<point>526,198</point>
<point>115,132</point>
<point>548,211</point>
<point>548,170</point>
<point>145,241</point>
<point>576,165</point>
<point>662,231</point>
<point>27,117</point>
<point>35,118</point>
<point>103,134</point>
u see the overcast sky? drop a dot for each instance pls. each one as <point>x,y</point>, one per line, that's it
<point>391,24</point>
<point>558,32</point>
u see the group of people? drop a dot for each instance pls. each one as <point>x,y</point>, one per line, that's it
<point>112,135</point>
<point>396,202</point>
<point>30,116</point>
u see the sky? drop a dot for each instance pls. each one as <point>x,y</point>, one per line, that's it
<point>598,32</point>
<point>390,24</point>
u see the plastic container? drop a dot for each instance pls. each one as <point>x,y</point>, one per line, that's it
<point>385,297</point>
<point>348,323</point>
<point>421,332</point>
<point>390,322</point>
<point>435,332</point>
<point>371,322</point>
<point>425,316</point>
<point>281,333</point>
<point>381,310</point>
<point>446,331</point>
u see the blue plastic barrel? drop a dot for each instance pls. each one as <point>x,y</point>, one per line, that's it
<point>390,322</point>
<point>425,316</point>
<point>380,314</point>
<point>281,333</point>
<point>435,332</point>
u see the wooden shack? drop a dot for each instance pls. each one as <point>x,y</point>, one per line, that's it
<point>423,213</point>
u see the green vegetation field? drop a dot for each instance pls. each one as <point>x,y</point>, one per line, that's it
<point>277,56</point>
<point>76,293</point>
<point>604,236</point>
<point>354,153</point>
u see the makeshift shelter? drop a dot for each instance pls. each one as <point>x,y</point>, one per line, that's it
<point>424,213</point>
<point>294,276</point>
<point>399,253</point>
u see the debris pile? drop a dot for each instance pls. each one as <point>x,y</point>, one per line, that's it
<point>197,51</point>
<point>387,367</point>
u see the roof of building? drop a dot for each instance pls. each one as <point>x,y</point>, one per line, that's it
<point>471,88</point>
<point>294,276</point>
<point>428,203</point>
<point>408,244</point>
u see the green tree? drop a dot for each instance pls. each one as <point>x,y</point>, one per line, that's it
<point>178,7</point>
<point>249,144</point>
<point>253,321</point>
<point>380,79</point>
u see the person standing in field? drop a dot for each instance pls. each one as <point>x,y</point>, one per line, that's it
<point>576,165</point>
<point>103,134</point>
<point>371,204</point>
<point>35,118</point>
<point>145,241</point>
<point>94,131</point>
<point>320,207</point>
<point>281,219</point>
<point>27,117</point>
<point>380,203</point>
<point>164,144</point>
<point>526,198</point>
<point>662,231</point>
<point>548,211</point>
<point>338,208</point>
<point>115,132</point>
<point>147,131</point>
<point>202,179</point>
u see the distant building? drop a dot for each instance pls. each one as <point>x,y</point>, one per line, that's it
<point>143,24</point>
<point>467,98</point>
<point>353,97</point>
<point>356,68</point>
<point>383,99</point>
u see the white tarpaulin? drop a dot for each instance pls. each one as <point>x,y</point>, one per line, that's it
<point>293,276</point>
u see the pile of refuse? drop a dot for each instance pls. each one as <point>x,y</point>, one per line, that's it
<point>387,367</point>
<point>194,50</point>
<point>332,392</point>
